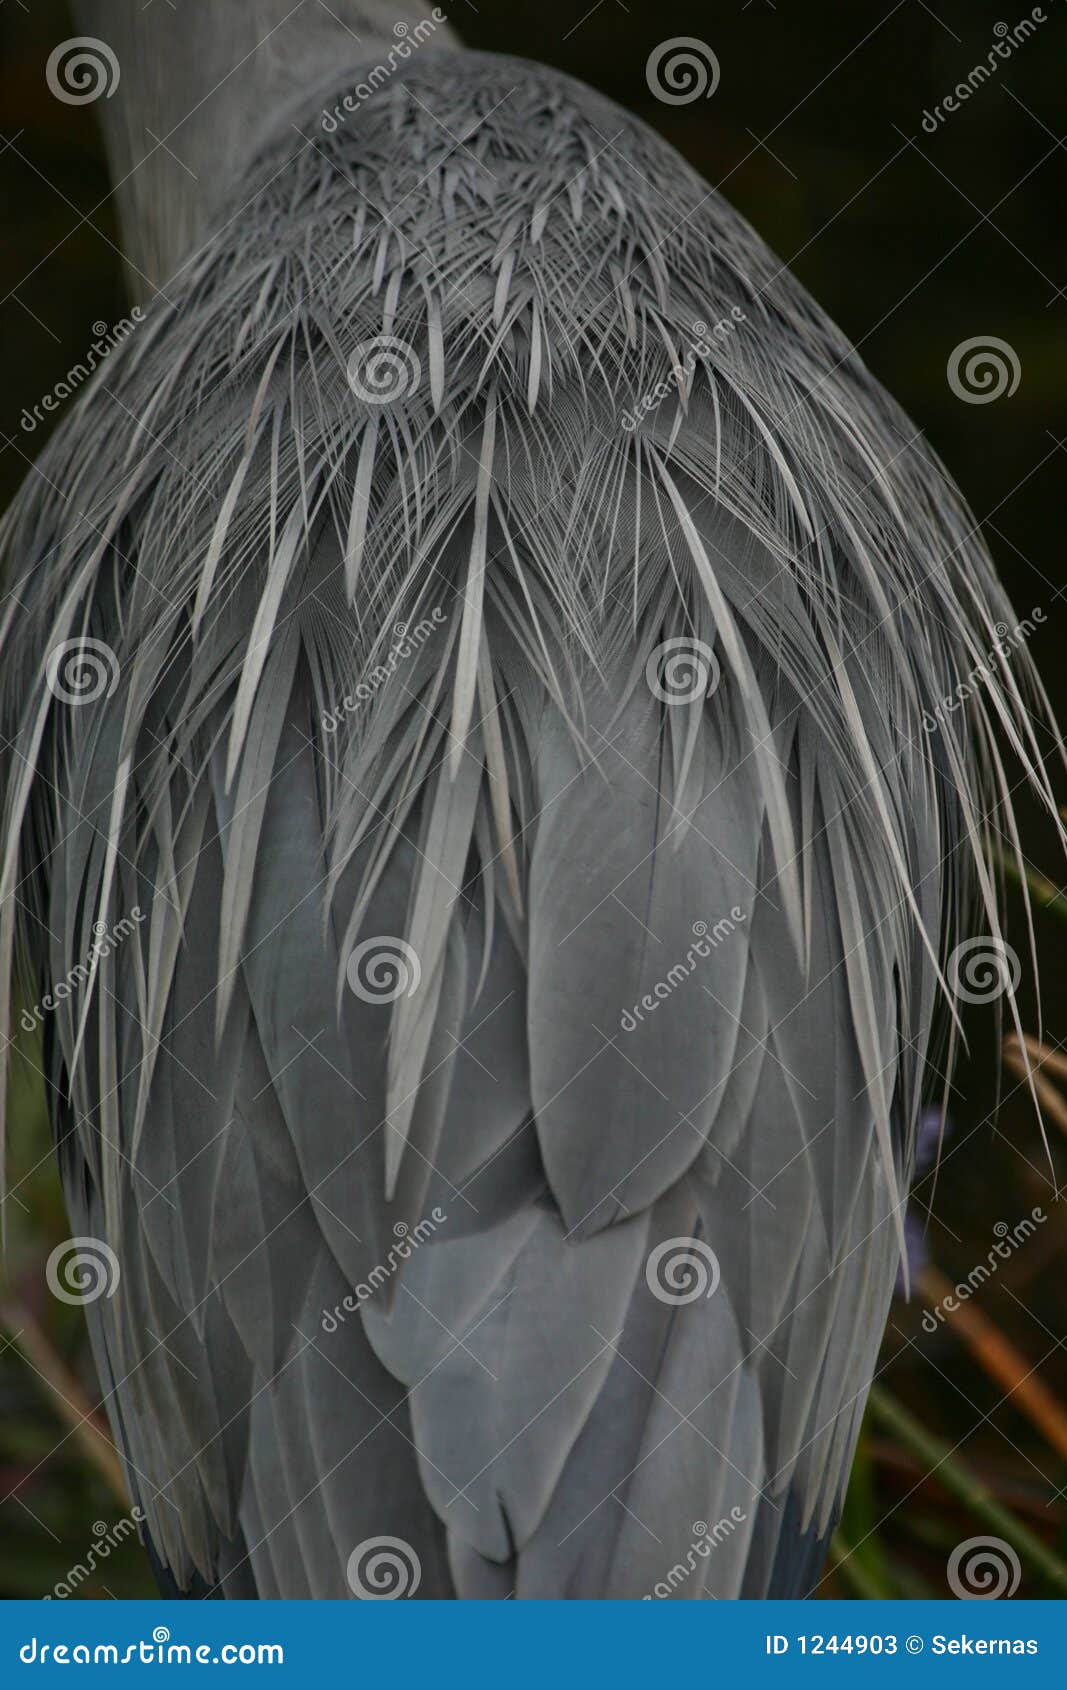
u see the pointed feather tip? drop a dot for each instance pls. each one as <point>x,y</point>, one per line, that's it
<point>396,1139</point>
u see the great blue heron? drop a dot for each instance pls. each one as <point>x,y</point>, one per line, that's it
<point>475,676</point>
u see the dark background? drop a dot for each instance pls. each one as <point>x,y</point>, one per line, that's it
<point>913,243</point>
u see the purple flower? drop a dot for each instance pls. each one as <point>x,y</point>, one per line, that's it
<point>927,1139</point>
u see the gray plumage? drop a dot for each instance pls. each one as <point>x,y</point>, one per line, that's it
<point>230,513</point>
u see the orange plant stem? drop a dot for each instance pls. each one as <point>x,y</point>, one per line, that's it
<point>1001,1360</point>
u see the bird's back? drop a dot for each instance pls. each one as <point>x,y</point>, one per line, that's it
<point>514,608</point>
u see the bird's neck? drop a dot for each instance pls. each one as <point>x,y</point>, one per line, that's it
<point>201,81</point>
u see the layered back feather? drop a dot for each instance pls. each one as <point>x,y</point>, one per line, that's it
<point>494,551</point>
